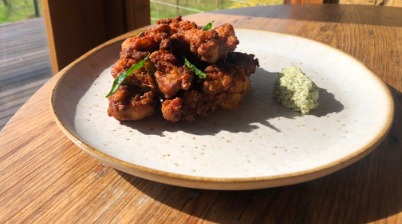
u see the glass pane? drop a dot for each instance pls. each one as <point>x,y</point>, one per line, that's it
<point>24,54</point>
<point>170,8</point>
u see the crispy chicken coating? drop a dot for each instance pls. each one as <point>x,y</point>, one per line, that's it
<point>209,45</point>
<point>177,24</point>
<point>127,59</point>
<point>172,109</point>
<point>170,75</point>
<point>196,103</point>
<point>231,80</point>
<point>190,105</point>
<point>136,99</point>
<point>247,61</point>
<point>126,104</point>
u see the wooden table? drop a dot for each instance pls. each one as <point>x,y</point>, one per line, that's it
<point>44,178</point>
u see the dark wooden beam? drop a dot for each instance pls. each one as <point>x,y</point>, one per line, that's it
<point>75,26</point>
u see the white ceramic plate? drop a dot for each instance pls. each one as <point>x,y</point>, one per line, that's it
<point>259,145</point>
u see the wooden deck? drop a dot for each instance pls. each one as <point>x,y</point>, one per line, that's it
<point>24,64</point>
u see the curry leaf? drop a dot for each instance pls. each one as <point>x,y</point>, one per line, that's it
<point>120,79</point>
<point>208,26</point>
<point>198,72</point>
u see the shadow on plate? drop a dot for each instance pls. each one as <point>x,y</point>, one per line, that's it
<point>327,104</point>
<point>256,110</point>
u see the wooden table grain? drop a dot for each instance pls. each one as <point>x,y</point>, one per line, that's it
<point>44,178</point>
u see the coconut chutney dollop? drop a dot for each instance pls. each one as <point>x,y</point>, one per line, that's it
<point>295,90</point>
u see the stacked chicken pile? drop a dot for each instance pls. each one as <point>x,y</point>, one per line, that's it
<point>191,71</point>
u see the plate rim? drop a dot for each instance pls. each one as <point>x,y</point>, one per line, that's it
<point>230,183</point>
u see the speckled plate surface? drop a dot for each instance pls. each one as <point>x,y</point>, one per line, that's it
<point>259,145</point>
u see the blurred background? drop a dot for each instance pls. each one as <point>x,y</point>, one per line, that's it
<point>16,10</point>
<point>168,8</point>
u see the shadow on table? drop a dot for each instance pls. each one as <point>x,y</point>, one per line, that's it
<point>355,194</point>
<point>383,16</point>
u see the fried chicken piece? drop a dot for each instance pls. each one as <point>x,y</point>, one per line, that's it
<point>218,79</point>
<point>190,105</point>
<point>141,80</point>
<point>170,75</point>
<point>126,104</point>
<point>177,24</point>
<point>236,93</point>
<point>209,45</point>
<point>228,43</point>
<point>228,79</point>
<point>140,43</point>
<point>136,48</point>
<point>247,61</point>
<point>172,109</point>
<point>196,103</point>
<point>127,59</point>
<point>136,98</point>
<point>148,40</point>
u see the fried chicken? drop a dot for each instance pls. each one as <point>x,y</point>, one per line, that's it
<point>189,105</point>
<point>136,98</point>
<point>170,75</point>
<point>165,83</point>
<point>127,104</point>
<point>228,79</point>
<point>209,45</point>
<point>224,87</point>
